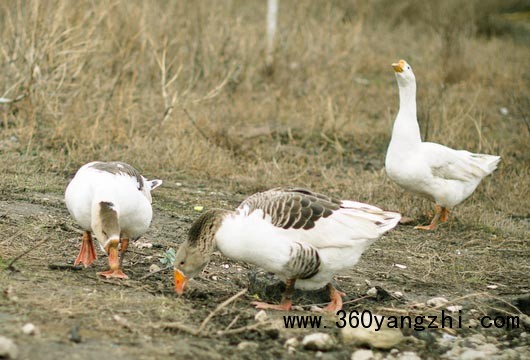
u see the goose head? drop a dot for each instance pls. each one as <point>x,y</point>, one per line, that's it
<point>404,74</point>
<point>189,262</point>
<point>195,253</point>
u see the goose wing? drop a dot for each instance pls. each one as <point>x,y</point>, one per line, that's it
<point>319,220</point>
<point>291,208</point>
<point>460,165</point>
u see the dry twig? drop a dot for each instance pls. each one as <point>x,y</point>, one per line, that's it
<point>154,272</point>
<point>198,332</point>
<point>243,328</point>
<point>10,265</point>
<point>219,308</point>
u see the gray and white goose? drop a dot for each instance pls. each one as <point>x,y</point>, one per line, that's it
<point>112,200</point>
<point>301,236</point>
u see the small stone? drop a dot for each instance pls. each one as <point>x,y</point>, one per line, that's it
<point>374,336</point>
<point>291,343</point>
<point>492,287</point>
<point>261,316</point>
<point>143,245</point>
<point>524,335</point>
<point>437,301</point>
<point>316,309</point>
<point>454,308</point>
<point>509,354</point>
<point>318,342</point>
<point>447,341</point>
<point>8,349</point>
<point>523,349</point>
<point>30,329</point>
<point>504,111</point>
<point>454,353</point>
<point>226,266</point>
<point>408,355</point>
<point>154,268</point>
<point>214,277</point>
<point>489,348</point>
<point>363,354</point>
<point>471,354</point>
<point>399,266</point>
<point>398,294</point>
<point>247,345</point>
<point>372,292</point>
<point>367,282</point>
<point>477,339</point>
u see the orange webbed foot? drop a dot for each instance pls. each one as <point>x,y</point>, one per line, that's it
<point>87,254</point>
<point>117,274</point>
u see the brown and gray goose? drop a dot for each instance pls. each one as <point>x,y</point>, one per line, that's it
<point>301,236</point>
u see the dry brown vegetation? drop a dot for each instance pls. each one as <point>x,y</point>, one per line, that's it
<point>180,90</point>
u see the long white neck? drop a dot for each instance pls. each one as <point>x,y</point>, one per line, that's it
<point>406,129</point>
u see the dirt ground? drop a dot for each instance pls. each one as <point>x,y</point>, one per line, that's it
<point>82,316</point>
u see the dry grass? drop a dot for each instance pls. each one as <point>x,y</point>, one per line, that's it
<point>179,89</point>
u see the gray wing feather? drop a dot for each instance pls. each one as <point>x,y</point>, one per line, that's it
<point>292,208</point>
<point>120,168</point>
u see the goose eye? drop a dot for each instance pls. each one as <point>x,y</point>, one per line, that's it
<point>181,263</point>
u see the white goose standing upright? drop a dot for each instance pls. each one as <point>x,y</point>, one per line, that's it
<point>112,200</point>
<point>444,175</point>
<point>301,236</point>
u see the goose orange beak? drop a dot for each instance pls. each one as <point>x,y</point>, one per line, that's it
<point>399,66</point>
<point>181,281</point>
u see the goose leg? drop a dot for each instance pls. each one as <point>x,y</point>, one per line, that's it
<point>123,248</point>
<point>87,253</point>
<point>435,219</point>
<point>445,215</point>
<point>114,261</point>
<point>286,302</point>
<point>336,299</point>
